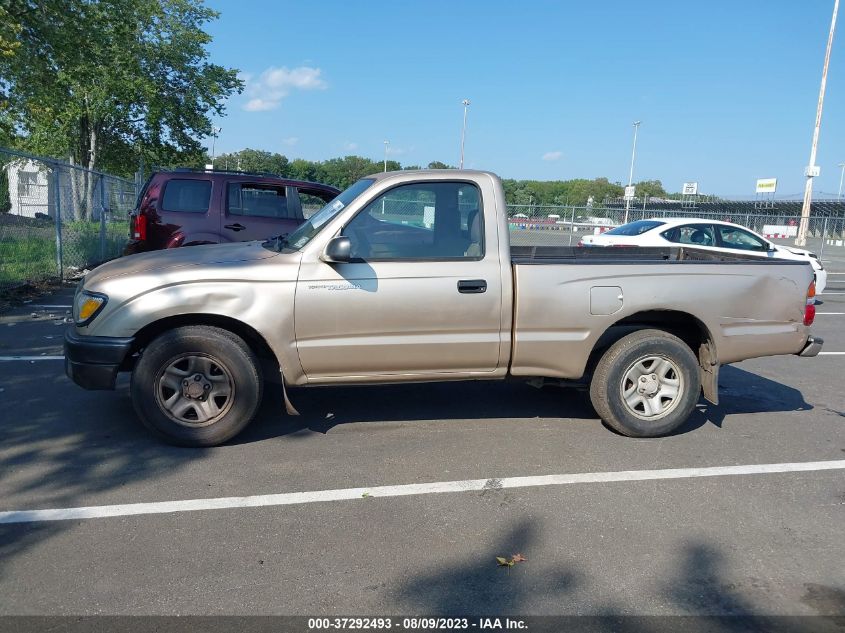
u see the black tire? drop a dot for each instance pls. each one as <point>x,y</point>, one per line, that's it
<point>223,361</point>
<point>626,357</point>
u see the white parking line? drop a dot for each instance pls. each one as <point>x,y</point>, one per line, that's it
<point>831,293</point>
<point>42,305</point>
<point>350,494</point>
<point>829,313</point>
<point>13,358</point>
<point>831,353</point>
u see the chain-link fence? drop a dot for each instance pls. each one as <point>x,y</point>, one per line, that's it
<point>558,225</point>
<point>58,219</point>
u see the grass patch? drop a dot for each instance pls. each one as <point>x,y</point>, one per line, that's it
<point>28,253</point>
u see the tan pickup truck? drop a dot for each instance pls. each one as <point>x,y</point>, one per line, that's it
<point>410,276</point>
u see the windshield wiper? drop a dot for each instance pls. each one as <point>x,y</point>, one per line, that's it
<point>278,242</point>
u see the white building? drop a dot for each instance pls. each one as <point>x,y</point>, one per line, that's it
<point>30,188</point>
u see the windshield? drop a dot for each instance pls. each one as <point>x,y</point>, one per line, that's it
<point>302,235</point>
<point>635,228</point>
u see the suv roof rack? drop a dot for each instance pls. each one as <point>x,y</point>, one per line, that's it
<point>223,171</point>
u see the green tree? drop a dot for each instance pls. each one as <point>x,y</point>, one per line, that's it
<point>254,160</point>
<point>302,169</point>
<point>436,164</point>
<point>650,188</point>
<point>99,81</point>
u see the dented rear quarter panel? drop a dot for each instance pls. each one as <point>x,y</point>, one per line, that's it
<point>749,309</point>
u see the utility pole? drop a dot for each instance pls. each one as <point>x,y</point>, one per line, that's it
<point>214,131</point>
<point>464,130</point>
<point>386,143</point>
<point>631,172</point>
<point>812,171</point>
<point>841,177</point>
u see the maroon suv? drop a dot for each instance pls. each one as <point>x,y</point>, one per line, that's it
<point>186,207</point>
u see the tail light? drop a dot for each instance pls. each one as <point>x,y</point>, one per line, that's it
<point>810,307</point>
<point>138,226</point>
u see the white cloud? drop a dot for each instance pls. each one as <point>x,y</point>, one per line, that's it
<point>350,147</point>
<point>290,141</point>
<point>553,155</point>
<point>260,105</point>
<point>268,89</point>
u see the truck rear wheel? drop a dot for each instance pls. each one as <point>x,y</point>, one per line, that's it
<point>197,386</point>
<point>646,384</point>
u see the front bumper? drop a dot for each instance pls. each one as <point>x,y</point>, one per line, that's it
<point>812,348</point>
<point>92,362</point>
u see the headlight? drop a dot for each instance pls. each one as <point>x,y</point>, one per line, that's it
<point>87,305</point>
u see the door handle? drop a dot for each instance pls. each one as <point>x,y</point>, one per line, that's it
<point>235,227</point>
<point>472,286</point>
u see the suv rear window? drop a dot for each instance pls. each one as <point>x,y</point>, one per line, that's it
<point>187,196</point>
<point>261,201</point>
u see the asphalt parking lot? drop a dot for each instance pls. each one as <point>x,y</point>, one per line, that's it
<point>641,540</point>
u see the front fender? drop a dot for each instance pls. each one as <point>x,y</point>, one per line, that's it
<point>264,306</point>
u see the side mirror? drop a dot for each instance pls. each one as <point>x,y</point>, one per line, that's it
<point>337,250</point>
<point>771,248</point>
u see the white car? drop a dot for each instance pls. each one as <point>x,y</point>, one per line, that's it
<point>713,235</point>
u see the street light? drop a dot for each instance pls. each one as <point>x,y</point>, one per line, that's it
<point>842,165</point>
<point>464,131</point>
<point>631,172</point>
<point>386,143</point>
<point>214,132</point>
<point>812,171</point>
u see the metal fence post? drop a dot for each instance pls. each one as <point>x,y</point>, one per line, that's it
<point>824,237</point>
<point>571,225</point>
<point>102,218</point>
<point>57,185</point>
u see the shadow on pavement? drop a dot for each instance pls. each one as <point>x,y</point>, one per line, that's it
<point>323,408</point>
<point>699,585</point>
<point>478,585</point>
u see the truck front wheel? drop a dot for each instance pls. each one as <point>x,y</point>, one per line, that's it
<point>646,384</point>
<point>196,386</point>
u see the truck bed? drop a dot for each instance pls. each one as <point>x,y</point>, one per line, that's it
<point>748,305</point>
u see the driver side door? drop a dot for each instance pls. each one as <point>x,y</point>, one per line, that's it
<point>421,295</point>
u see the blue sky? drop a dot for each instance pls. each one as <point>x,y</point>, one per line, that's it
<point>726,90</point>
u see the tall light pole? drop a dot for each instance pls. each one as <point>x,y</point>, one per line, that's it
<point>631,172</point>
<point>841,178</point>
<point>812,171</point>
<point>464,130</point>
<point>386,143</point>
<point>214,132</point>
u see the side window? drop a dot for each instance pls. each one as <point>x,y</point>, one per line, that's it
<point>418,221</point>
<point>310,202</point>
<point>261,201</point>
<point>186,196</point>
<point>27,183</point>
<point>733,237</point>
<point>692,234</point>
